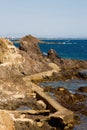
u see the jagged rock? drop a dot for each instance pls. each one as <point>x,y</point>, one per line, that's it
<point>52,54</point>
<point>14,91</point>
<point>8,52</point>
<point>30,120</point>
<point>70,69</point>
<point>29,44</point>
<point>10,59</point>
<point>33,59</point>
<point>28,60</point>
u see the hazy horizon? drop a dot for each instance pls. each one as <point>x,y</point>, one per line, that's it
<point>48,18</point>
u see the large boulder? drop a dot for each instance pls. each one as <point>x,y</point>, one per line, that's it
<point>52,54</point>
<point>29,44</point>
<point>54,57</point>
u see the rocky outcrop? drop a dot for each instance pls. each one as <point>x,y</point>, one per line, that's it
<point>73,101</point>
<point>70,69</point>
<point>29,44</point>
<point>10,59</point>
<point>8,52</point>
<point>52,54</point>
<point>34,61</point>
<point>17,68</point>
<point>26,61</point>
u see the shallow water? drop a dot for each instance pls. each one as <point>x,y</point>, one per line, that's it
<point>83,124</point>
<point>23,108</point>
<point>72,86</point>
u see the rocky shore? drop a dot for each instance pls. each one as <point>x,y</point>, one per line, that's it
<point>24,105</point>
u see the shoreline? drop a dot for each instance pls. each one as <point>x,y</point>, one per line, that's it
<point>20,68</point>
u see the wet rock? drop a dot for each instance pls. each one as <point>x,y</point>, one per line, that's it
<point>73,101</point>
<point>70,69</point>
<point>56,122</point>
<point>52,54</point>
<point>82,89</point>
<point>83,73</point>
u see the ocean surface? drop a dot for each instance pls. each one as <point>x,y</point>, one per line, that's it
<point>74,49</point>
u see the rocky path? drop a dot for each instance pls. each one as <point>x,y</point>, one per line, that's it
<point>38,76</point>
<point>56,109</point>
<point>17,89</point>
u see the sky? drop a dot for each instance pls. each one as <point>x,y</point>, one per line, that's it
<point>44,18</point>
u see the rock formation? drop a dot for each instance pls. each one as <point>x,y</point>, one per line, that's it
<point>26,61</point>
<point>17,68</point>
<point>33,60</point>
<point>70,69</point>
<point>10,59</point>
<point>29,43</point>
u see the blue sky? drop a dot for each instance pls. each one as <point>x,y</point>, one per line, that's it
<point>43,18</point>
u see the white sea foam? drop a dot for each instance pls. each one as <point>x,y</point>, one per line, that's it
<point>45,53</point>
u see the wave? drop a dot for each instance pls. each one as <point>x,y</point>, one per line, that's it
<point>44,53</point>
<point>61,42</point>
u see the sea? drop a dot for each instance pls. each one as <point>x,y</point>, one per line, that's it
<point>66,48</point>
<point>72,49</point>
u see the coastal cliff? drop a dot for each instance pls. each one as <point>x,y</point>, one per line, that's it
<point>24,61</point>
<point>16,89</point>
<point>27,105</point>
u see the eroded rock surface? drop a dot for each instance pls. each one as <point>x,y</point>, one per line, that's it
<point>16,93</point>
<point>70,69</point>
<point>10,59</point>
<point>74,101</point>
<point>17,68</point>
<point>33,60</point>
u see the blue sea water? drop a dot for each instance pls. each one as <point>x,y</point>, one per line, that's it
<point>74,49</point>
